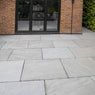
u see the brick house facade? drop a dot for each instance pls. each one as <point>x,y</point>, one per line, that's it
<point>70,16</point>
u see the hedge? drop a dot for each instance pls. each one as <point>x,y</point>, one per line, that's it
<point>89,14</point>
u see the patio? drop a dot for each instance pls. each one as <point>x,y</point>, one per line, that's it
<point>57,64</point>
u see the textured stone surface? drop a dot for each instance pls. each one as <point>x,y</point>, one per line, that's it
<point>10,71</point>
<point>81,86</point>
<point>2,43</point>
<point>83,52</point>
<point>22,88</point>
<point>79,67</point>
<point>15,45</point>
<point>54,53</point>
<point>52,37</point>
<point>59,71</point>
<point>5,53</point>
<point>26,54</point>
<point>64,43</point>
<point>85,43</point>
<point>43,69</point>
<point>40,44</point>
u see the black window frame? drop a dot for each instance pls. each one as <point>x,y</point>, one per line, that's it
<point>31,19</point>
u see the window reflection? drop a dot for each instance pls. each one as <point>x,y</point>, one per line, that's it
<point>52,15</point>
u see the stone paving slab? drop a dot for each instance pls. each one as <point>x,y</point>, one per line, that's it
<point>9,37</point>
<point>64,43</point>
<point>26,54</point>
<point>53,37</point>
<point>79,67</point>
<point>85,42</point>
<point>10,71</point>
<point>30,37</point>
<point>56,59</point>
<point>5,53</point>
<point>2,43</point>
<point>15,45</point>
<point>78,86</point>
<point>22,88</point>
<point>41,44</point>
<point>69,37</point>
<point>55,53</point>
<point>88,35</point>
<point>93,78</point>
<point>83,52</point>
<point>43,69</point>
<point>93,58</point>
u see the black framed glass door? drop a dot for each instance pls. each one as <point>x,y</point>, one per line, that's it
<point>38,16</point>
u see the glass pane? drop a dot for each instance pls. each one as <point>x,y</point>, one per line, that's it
<point>23,15</point>
<point>38,15</point>
<point>37,25</point>
<point>38,5</point>
<point>52,15</point>
<point>52,25</point>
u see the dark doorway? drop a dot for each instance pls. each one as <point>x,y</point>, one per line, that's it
<point>38,16</point>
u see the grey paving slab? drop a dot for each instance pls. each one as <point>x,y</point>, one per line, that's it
<point>69,37</point>
<point>53,53</point>
<point>93,58</point>
<point>2,43</point>
<point>15,45</point>
<point>4,54</point>
<point>50,37</point>
<point>64,43</point>
<point>22,88</point>
<point>30,37</point>
<point>83,52</point>
<point>85,42</point>
<point>79,67</point>
<point>10,37</point>
<point>89,35</point>
<point>26,54</point>
<point>81,86</point>
<point>41,44</point>
<point>93,78</point>
<point>10,70</point>
<point>43,69</point>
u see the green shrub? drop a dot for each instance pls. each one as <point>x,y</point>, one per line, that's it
<point>89,14</point>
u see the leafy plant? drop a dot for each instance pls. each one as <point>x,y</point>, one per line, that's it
<point>89,14</point>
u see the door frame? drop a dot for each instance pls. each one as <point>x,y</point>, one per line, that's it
<point>30,21</point>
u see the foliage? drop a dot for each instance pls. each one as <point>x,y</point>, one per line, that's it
<point>89,14</point>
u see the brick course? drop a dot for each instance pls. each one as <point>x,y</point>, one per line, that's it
<point>7,16</point>
<point>69,22</point>
<point>65,20</point>
<point>71,16</point>
<point>77,16</point>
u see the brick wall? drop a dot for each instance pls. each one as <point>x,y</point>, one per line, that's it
<point>65,20</point>
<point>71,16</point>
<point>77,16</point>
<point>7,16</point>
<point>68,23</point>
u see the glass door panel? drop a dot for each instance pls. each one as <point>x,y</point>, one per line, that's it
<point>37,25</point>
<point>38,15</point>
<point>23,12</point>
<point>52,15</point>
